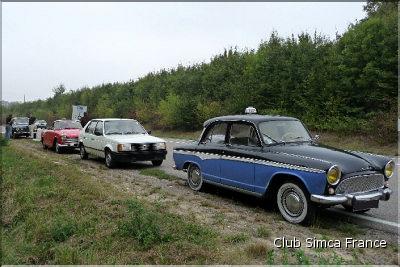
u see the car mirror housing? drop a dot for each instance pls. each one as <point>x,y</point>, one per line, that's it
<point>149,132</point>
<point>316,137</point>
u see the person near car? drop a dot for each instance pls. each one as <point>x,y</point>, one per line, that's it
<point>8,126</point>
<point>85,119</point>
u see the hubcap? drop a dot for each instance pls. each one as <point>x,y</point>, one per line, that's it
<point>292,202</point>
<point>108,158</point>
<point>195,177</point>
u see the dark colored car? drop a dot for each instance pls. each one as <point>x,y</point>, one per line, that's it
<point>20,127</point>
<point>276,158</point>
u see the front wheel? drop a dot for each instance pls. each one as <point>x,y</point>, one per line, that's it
<point>110,161</point>
<point>82,152</point>
<point>294,204</point>
<point>58,148</point>
<point>157,162</point>
<point>195,179</point>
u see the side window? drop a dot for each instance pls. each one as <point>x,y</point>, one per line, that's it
<point>90,128</point>
<point>99,128</point>
<point>243,134</point>
<point>216,135</point>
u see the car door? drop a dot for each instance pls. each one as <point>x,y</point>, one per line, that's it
<point>88,138</point>
<point>210,146</point>
<point>98,139</point>
<point>237,163</point>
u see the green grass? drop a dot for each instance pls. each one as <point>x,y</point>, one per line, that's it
<point>358,143</point>
<point>57,215</point>
<point>158,173</point>
<point>263,232</point>
<point>237,238</point>
<point>176,134</point>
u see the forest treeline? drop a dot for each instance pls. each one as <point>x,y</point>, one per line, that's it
<point>345,85</point>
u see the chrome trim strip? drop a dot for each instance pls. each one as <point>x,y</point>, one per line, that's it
<point>380,194</point>
<point>205,156</point>
<point>234,188</point>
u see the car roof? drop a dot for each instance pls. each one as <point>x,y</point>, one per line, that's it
<point>21,118</point>
<point>65,120</point>
<point>113,119</point>
<point>255,118</point>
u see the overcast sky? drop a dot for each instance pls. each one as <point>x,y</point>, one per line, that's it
<point>86,44</point>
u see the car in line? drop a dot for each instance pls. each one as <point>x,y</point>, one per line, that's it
<point>61,136</point>
<point>120,140</point>
<point>275,157</point>
<point>19,127</point>
<point>38,124</point>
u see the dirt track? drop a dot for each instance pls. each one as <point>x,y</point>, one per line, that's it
<point>228,212</point>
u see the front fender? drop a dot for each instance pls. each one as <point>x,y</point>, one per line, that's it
<point>315,182</point>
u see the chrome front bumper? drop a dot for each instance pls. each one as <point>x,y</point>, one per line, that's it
<point>349,199</point>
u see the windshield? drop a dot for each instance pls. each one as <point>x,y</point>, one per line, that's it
<point>67,125</point>
<point>21,120</point>
<point>123,127</point>
<point>283,131</point>
<point>41,122</point>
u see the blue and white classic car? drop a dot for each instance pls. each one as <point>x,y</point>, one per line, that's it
<point>276,158</point>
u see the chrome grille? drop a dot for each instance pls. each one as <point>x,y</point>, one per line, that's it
<point>360,183</point>
<point>71,140</point>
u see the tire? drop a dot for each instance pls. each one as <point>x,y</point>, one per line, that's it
<point>57,148</point>
<point>195,179</point>
<point>110,161</point>
<point>43,144</point>
<point>157,162</point>
<point>350,209</point>
<point>82,152</point>
<point>294,204</point>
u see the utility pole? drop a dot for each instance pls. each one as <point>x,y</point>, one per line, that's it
<point>24,98</point>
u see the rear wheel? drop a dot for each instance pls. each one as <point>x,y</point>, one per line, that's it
<point>43,144</point>
<point>110,161</point>
<point>82,152</point>
<point>195,179</point>
<point>294,204</point>
<point>157,162</point>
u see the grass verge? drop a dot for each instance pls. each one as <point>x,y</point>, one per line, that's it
<point>158,173</point>
<point>53,214</point>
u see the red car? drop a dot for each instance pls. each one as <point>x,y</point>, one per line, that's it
<point>63,135</point>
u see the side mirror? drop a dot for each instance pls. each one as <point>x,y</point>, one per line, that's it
<point>316,137</point>
<point>149,132</point>
<point>97,133</point>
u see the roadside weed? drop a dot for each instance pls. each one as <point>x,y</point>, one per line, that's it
<point>263,231</point>
<point>236,238</point>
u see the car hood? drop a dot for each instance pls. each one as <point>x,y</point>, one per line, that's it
<point>135,138</point>
<point>72,133</point>
<point>347,161</point>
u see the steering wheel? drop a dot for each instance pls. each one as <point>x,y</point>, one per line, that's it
<point>288,136</point>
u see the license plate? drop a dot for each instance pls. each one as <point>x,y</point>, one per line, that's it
<point>363,205</point>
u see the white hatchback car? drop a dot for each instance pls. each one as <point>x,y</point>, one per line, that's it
<point>120,140</point>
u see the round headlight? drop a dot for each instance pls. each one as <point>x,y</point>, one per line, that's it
<point>389,169</point>
<point>333,175</point>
